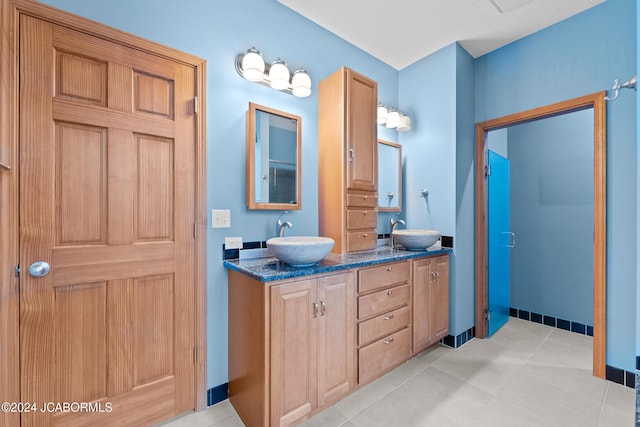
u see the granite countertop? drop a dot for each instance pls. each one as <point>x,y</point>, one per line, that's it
<point>270,269</point>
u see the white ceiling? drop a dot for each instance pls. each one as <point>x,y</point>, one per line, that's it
<point>400,32</point>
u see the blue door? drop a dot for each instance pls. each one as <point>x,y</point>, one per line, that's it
<point>500,241</point>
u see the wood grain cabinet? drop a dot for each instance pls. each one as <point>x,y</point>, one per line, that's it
<point>384,318</point>
<point>292,346</point>
<point>430,301</point>
<point>348,160</point>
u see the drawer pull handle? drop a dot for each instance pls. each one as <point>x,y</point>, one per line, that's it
<point>323,307</point>
<point>389,317</point>
<point>315,309</point>
<point>389,268</point>
<point>389,293</point>
<point>388,341</point>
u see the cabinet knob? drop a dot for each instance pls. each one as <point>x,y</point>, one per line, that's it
<point>389,268</point>
<point>389,293</point>
<point>365,212</point>
<point>364,197</point>
<point>389,317</point>
<point>388,341</point>
<point>365,235</point>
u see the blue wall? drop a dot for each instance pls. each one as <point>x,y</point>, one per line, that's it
<point>440,93</point>
<point>552,216</point>
<point>579,56</point>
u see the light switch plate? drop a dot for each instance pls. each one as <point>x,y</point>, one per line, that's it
<point>233,242</point>
<point>221,218</point>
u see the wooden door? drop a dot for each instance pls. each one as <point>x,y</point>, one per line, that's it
<point>295,308</point>
<point>439,298</point>
<point>107,200</point>
<point>362,134</point>
<point>336,337</point>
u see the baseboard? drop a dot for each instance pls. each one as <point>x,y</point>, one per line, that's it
<point>217,394</point>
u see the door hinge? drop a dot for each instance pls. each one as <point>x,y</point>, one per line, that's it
<point>487,170</point>
<point>195,230</point>
<point>17,270</point>
<point>195,105</point>
<point>487,315</point>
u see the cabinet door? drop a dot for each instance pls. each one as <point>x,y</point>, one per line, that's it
<point>439,298</point>
<point>293,351</point>
<point>336,337</point>
<point>422,277</point>
<point>361,144</point>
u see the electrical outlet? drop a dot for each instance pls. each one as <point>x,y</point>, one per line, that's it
<point>233,242</point>
<point>221,218</point>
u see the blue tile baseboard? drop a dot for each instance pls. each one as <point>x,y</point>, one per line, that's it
<point>460,339</point>
<point>217,394</point>
<point>620,376</point>
<point>554,322</point>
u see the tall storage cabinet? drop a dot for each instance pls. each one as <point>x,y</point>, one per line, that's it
<point>348,160</point>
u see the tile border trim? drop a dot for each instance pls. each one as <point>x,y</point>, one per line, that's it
<point>460,339</point>
<point>554,322</point>
<point>217,394</point>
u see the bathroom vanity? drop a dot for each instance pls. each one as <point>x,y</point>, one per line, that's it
<point>300,339</point>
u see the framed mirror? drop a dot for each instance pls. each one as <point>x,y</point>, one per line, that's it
<point>389,176</point>
<point>274,167</point>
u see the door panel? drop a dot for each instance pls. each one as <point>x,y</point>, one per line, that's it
<point>107,137</point>
<point>499,242</point>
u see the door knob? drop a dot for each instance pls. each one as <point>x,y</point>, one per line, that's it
<point>39,269</point>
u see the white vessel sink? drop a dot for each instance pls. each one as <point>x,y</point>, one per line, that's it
<point>415,240</point>
<point>300,251</point>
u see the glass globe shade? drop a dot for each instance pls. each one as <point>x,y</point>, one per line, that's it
<point>253,66</point>
<point>393,119</point>
<point>279,75</point>
<point>382,114</point>
<point>404,124</point>
<point>301,84</point>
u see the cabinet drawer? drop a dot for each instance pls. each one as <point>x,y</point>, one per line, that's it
<point>382,355</point>
<point>383,301</point>
<point>383,325</point>
<point>362,240</point>
<point>362,200</point>
<point>358,219</point>
<point>383,276</point>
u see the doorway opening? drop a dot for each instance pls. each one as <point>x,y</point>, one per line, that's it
<point>597,103</point>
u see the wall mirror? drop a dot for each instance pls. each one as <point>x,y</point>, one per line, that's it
<point>389,176</point>
<point>274,167</point>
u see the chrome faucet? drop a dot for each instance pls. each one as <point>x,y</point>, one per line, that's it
<point>281,224</point>
<point>394,221</point>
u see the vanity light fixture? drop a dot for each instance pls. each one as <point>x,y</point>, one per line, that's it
<point>251,66</point>
<point>393,119</point>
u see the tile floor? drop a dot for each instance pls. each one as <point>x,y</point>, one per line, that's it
<point>525,375</point>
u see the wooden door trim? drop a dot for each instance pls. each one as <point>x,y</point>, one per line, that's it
<point>9,301</point>
<point>10,10</point>
<point>598,103</point>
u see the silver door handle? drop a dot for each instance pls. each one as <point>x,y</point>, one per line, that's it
<point>352,155</point>
<point>512,238</point>
<point>39,269</point>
